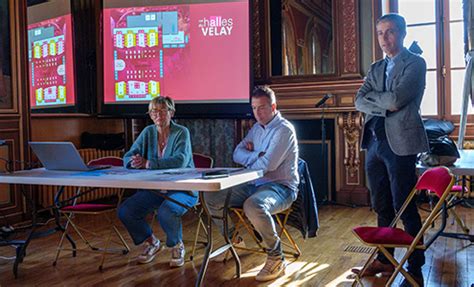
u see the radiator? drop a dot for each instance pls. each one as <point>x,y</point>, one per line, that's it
<point>46,192</point>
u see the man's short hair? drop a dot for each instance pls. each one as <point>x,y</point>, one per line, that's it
<point>264,91</point>
<point>396,19</point>
<point>167,101</point>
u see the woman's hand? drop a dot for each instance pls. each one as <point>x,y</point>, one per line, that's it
<point>139,162</point>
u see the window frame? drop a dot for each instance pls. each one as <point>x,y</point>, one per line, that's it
<point>443,56</point>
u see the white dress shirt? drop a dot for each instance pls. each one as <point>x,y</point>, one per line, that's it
<point>278,141</point>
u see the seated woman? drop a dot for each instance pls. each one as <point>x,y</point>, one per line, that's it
<point>162,145</point>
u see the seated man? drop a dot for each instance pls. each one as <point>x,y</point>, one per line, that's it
<point>270,146</point>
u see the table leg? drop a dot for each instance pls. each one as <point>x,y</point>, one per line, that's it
<point>205,261</point>
<point>441,232</point>
<point>463,236</point>
<point>21,250</point>
<point>227,237</point>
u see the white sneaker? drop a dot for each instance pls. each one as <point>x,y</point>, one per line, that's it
<point>177,255</point>
<point>149,252</point>
<point>238,242</point>
<point>274,268</point>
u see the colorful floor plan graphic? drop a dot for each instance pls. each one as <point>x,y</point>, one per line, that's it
<point>141,39</point>
<point>195,52</point>
<point>51,63</point>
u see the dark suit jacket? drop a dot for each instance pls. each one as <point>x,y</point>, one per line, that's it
<point>304,216</point>
<point>404,128</point>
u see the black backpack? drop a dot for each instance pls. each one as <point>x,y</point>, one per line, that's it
<point>443,150</point>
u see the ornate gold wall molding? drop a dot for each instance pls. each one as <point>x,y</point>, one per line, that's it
<point>351,125</point>
<point>350,36</point>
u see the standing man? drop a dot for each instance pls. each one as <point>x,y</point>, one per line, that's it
<point>393,134</point>
<point>270,146</point>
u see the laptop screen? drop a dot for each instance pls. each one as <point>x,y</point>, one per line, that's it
<point>58,156</point>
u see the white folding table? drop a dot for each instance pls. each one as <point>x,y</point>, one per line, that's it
<point>117,177</point>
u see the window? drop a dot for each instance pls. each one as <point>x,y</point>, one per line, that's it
<point>442,43</point>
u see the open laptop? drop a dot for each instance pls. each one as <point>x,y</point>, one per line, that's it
<point>61,156</point>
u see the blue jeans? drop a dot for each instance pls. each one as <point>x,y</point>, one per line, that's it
<point>391,179</point>
<point>259,203</point>
<point>134,210</point>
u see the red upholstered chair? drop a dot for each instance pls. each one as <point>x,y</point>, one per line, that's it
<point>107,211</point>
<point>108,160</point>
<point>202,161</point>
<point>438,180</point>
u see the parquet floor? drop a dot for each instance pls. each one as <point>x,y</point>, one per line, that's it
<point>324,261</point>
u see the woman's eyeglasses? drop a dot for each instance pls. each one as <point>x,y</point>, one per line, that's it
<point>156,112</point>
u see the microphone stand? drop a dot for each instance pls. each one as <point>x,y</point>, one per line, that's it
<point>324,172</point>
<point>324,182</point>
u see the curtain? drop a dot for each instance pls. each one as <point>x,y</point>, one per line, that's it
<point>213,137</point>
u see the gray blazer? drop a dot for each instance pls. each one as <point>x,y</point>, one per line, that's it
<point>404,128</point>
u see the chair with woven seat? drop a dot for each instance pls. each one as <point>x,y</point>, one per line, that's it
<point>438,180</point>
<point>99,209</point>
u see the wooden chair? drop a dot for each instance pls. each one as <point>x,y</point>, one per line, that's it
<point>105,210</point>
<point>439,181</point>
<point>281,219</point>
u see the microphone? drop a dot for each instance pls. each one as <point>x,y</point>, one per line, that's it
<point>323,100</point>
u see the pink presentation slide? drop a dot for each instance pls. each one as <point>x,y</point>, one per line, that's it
<point>192,53</point>
<point>51,66</point>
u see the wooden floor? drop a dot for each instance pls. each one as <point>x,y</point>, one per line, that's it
<point>326,260</point>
